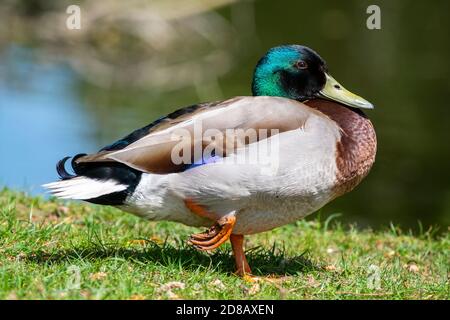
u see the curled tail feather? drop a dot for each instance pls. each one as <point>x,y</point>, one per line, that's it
<point>103,183</point>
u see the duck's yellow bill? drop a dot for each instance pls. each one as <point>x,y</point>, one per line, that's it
<point>333,90</point>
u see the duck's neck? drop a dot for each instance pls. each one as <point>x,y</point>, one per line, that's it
<point>357,147</point>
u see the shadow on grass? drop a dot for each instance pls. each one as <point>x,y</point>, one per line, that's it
<point>262,261</point>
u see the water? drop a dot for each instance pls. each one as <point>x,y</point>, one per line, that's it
<point>39,122</point>
<point>48,109</point>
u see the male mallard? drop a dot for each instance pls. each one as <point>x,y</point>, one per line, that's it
<point>324,147</point>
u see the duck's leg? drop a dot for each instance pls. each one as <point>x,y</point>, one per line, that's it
<point>217,234</point>
<point>237,243</point>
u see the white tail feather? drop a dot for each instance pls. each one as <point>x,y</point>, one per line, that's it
<point>83,188</point>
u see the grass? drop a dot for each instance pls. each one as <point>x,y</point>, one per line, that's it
<point>58,250</point>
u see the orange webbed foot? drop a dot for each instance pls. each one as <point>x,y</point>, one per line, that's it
<point>216,235</point>
<point>220,232</point>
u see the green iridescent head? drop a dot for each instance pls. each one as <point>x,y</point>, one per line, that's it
<point>297,72</point>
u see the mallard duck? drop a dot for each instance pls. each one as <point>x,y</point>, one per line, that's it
<point>192,165</point>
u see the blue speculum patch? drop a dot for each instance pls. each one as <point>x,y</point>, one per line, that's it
<point>203,161</point>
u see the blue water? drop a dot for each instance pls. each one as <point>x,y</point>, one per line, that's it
<point>41,121</point>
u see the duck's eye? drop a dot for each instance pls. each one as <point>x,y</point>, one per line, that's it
<point>301,64</point>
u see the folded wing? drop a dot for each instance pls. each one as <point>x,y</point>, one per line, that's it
<point>219,128</point>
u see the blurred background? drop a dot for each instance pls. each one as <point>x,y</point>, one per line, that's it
<point>68,91</point>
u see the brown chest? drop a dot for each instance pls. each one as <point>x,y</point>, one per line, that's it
<point>355,151</point>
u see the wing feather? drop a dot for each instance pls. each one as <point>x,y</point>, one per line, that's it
<point>205,125</point>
